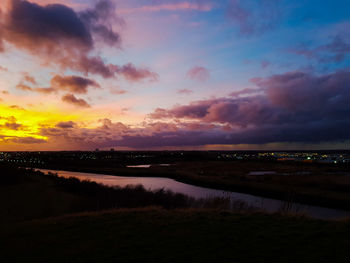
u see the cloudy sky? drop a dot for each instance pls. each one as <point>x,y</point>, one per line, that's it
<point>174,74</point>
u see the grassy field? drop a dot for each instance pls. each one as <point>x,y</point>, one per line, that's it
<point>316,184</point>
<point>158,235</point>
<point>45,218</point>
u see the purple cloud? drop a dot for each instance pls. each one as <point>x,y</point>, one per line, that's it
<point>66,124</point>
<point>58,35</point>
<point>71,99</point>
<point>131,73</point>
<point>74,84</point>
<point>290,107</point>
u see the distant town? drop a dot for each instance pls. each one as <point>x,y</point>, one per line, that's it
<point>140,157</point>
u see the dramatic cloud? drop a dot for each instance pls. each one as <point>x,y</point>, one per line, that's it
<point>98,21</point>
<point>105,134</point>
<point>73,84</point>
<point>254,17</point>
<point>198,73</point>
<point>294,106</point>
<point>58,35</point>
<point>51,29</point>
<point>71,99</point>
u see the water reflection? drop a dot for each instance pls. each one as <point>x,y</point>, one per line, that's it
<point>139,166</point>
<point>147,165</point>
<point>153,183</point>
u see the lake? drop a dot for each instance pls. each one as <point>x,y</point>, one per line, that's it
<point>153,183</point>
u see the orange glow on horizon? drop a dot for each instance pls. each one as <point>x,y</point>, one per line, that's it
<point>16,122</point>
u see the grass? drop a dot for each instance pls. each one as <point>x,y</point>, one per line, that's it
<point>158,235</point>
<point>45,218</point>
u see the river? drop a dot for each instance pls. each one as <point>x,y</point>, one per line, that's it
<point>153,183</point>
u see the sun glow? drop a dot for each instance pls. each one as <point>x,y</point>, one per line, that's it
<point>16,122</point>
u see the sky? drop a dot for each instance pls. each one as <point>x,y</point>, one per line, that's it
<point>174,75</point>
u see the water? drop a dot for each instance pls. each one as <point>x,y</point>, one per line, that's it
<point>261,172</point>
<point>139,166</point>
<point>153,183</point>
<point>146,165</point>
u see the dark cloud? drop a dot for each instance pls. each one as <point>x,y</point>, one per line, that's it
<point>198,73</point>
<point>58,35</point>
<point>12,126</point>
<point>11,123</point>
<point>254,17</point>
<point>75,135</point>
<point>66,124</point>
<point>45,28</point>
<point>71,99</point>
<point>73,84</point>
<point>98,20</point>
<point>195,110</point>
<point>54,32</point>
<point>291,107</point>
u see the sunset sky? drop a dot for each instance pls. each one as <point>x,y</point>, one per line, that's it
<point>168,74</point>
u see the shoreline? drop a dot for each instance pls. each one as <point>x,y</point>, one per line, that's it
<point>278,194</point>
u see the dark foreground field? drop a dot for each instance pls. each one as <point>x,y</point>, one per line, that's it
<point>155,235</point>
<point>45,218</point>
